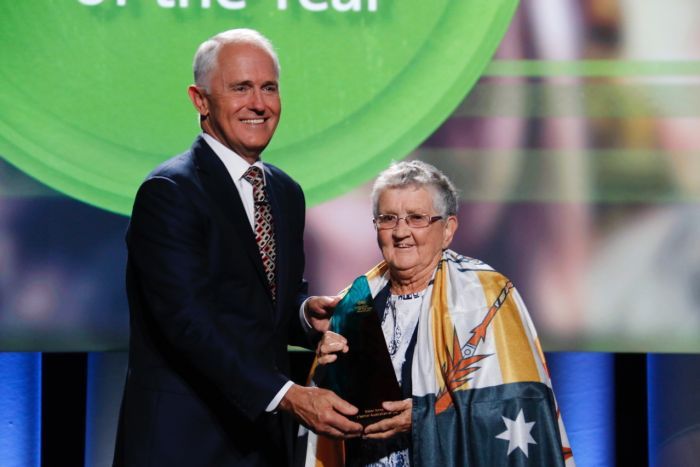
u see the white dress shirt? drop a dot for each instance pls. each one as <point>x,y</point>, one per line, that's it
<point>236,167</point>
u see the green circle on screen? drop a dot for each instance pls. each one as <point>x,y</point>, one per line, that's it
<point>94,91</point>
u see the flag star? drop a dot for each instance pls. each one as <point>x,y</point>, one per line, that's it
<point>517,433</point>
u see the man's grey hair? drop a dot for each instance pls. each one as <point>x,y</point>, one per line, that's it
<point>205,59</point>
<point>417,174</point>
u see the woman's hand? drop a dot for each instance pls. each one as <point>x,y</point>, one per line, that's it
<point>330,345</point>
<point>389,427</point>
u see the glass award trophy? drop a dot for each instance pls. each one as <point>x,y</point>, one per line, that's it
<point>364,376</point>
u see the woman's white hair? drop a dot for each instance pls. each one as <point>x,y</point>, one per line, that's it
<point>205,59</point>
<point>417,174</point>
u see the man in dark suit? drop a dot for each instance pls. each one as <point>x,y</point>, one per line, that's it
<point>214,279</point>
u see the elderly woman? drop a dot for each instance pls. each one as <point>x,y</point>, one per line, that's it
<point>461,343</point>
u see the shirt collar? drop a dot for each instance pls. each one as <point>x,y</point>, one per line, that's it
<point>235,164</point>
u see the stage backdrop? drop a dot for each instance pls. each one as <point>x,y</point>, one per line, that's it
<point>575,149</point>
<point>93,91</point>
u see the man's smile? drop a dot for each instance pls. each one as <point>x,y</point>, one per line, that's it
<point>253,121</point>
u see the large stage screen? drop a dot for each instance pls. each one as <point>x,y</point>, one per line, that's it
<point>571,129</point>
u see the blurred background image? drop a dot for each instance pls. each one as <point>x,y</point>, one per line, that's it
<point>577,159</point>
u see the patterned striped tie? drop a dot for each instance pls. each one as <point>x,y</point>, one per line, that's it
<point>264,231</point>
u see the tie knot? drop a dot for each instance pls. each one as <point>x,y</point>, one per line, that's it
<point>254,176</point>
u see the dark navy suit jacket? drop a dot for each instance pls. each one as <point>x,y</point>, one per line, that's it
<point>207,350</point>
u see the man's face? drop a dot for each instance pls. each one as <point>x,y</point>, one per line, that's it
<point>242,106</point>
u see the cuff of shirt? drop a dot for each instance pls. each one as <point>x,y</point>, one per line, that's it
<point>305,325</point>
<point>272,406</point>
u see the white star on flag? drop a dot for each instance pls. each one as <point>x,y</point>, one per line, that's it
<point>517,433</point>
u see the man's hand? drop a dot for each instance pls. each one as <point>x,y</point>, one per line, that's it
<point>322,411</point>
<point>329,346</point>
<point>318,311</point>
<point>389,427</point>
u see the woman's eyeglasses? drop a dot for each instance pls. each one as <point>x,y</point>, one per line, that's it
<point>416,221</point>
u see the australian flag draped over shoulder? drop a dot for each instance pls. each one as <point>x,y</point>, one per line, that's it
<point>482,395</point>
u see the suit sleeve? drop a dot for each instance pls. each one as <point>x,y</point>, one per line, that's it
<point>168,251</point>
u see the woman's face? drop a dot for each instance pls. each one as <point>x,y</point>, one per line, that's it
<point>412,251</point>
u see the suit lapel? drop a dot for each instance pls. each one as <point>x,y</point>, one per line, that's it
<point>217,182</point>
